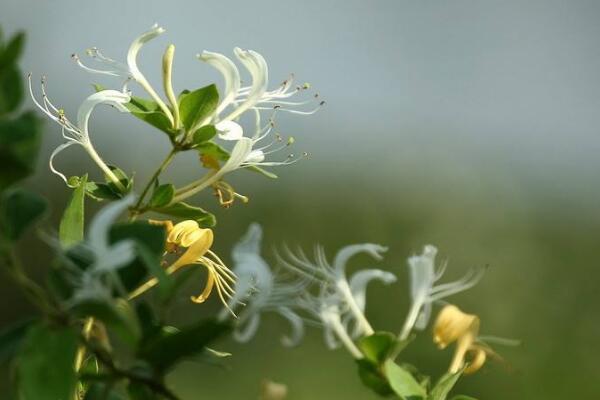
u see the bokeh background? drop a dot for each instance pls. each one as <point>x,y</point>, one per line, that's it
<point>472,125</point>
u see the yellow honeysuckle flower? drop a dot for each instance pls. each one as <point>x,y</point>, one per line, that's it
<point>454,325</point>
<point>197,242</point>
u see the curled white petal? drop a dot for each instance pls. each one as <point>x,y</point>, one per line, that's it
<point>110,97</point>
<point>54,154</point>
<point>99,228</point>
<point>258,69</point>
<point>360,280</point>
<point>135,47</point>
<point>229,130</point>
<point>296,324</point>
<point>342,256</point>
<point>230,73</point>
<point>244,334</point>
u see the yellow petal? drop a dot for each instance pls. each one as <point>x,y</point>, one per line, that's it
<point>201,298</point>
<point>181,230</point>
<point>479,356</point>
<point>195,251</point>
<point>451,324</point>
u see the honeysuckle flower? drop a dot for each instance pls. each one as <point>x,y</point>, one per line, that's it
<point>78,133</point>
<point>260,290</point>
<point>197,242</point>
<point>423,276</point>
<point>454,325</point>
<point>130,70</point>
<point>101,278</point>
<point>340,304</point>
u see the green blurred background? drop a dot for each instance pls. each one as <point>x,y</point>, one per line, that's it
<point>471,125</point>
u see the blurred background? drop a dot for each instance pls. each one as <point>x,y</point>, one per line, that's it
<point>471,125</point>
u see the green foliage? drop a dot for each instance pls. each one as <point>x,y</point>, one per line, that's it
<point>124,180</point>
<point>377,347</point>
<point>116,315</point>
<point>170,346</point>
<point>213,150</point>
<point>19,146</point>
<point>203,135</point>
<point>186,211</point>
<point>101,191</point>
<point>71,228</point>
<point>11,85</point>
<point>19,209</point>
<point>198,106</point>
<point>463,397</point>
<point>443,386</point>
<point>11,338</point>
<point>162,195</point>
<point>45,364</point>
<point>403,383</point>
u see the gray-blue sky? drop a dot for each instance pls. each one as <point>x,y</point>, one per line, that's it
<point>466,84</point>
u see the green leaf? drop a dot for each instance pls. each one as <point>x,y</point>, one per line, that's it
<point>162,195</point>
<point>12,52</point>
<point>11,89</point>
<point>19,147</point>
<point>12,337</point>
<point>123,179</point>
<point>70,230</point>
<point>186,211</point>
<point>101,191</point>
<point>372,377</point>
<point>19,210</point>
<point>117,316</point>
<point>444,385</point>
<point>203,134</point>
<point>196,106</point>
<point>171,347</point>
<point>101,391</point>
<point>463,397</point>
<point>377,346</point>
<point>217,152</point>
<point>148,111</point>
<point>403,383</point>
<point>45,366</point>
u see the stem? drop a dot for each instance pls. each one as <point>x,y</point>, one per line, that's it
<point>154,177</point>
<point>197,186</point>
<point>411,318</point>
<point>87,330</point>
<point>149,284</point>
<point>102,165</point>
<point>358,313</point>
<point>337,327</point>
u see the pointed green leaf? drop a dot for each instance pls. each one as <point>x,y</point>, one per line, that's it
<point>124,180</point>
<point>203,134</point>
<point>162,195</point>
<point>403,383</point>
<point>12,52</point>
<point>444,385</point>
<point>11,89</point>
<point>463,397</point>
<point>45,365</point>
<point>19,209</point>
<point>70,230</point>
<point>377,346</point>
<point>197,106</point>
<point>101,191</point>
<point>12,337</point>
<point>372,377</point>
<point>19,146</point>
<point>184,210</point>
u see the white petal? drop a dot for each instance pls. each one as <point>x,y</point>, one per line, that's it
<point>360,280</point>
<point>257,67</point>
<point>245,334</point>
<point>422,272</point>
<point>230,73</point>
<point>98,231</point>
<point>109,97</point>
<point>229,130</point>
<point>239,154</point>
<point>255,157</point>
<point>297,327</point>
<point>54,154</point>
<point>342,256</point>
<point>137,44</point>
<point>249,244</point>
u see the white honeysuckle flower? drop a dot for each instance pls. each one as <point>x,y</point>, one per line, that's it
<point>261,291</point>
<point>129,71</point>
<point>423,276</point>
<point>79,133</point>
<point>340,304</point>
<point>229,130</point>
<point>100,279</point>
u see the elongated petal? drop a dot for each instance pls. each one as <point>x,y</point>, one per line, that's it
<point>195,251</point>
<point>109,97</point>
<point>54,154</point>
<point>137,44</point>
<point>229,130</point>
<point>257,67</point>
<point>360,280</point>
<point>239,154</point>
<point>230,73</point>
<point>422,272</point>
<point>98,231</point>
<point>342,256</point>
<point>296,324</point>
<point>247,330</point>
<point>249,244</point>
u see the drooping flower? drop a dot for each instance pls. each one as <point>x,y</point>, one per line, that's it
<point>129,71</point>
<point>260,290</point>
<point>341,302</point>
<point>78,133</point>
<point>454,325</point>
<point>196,241</point>
<point>423,276</point>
